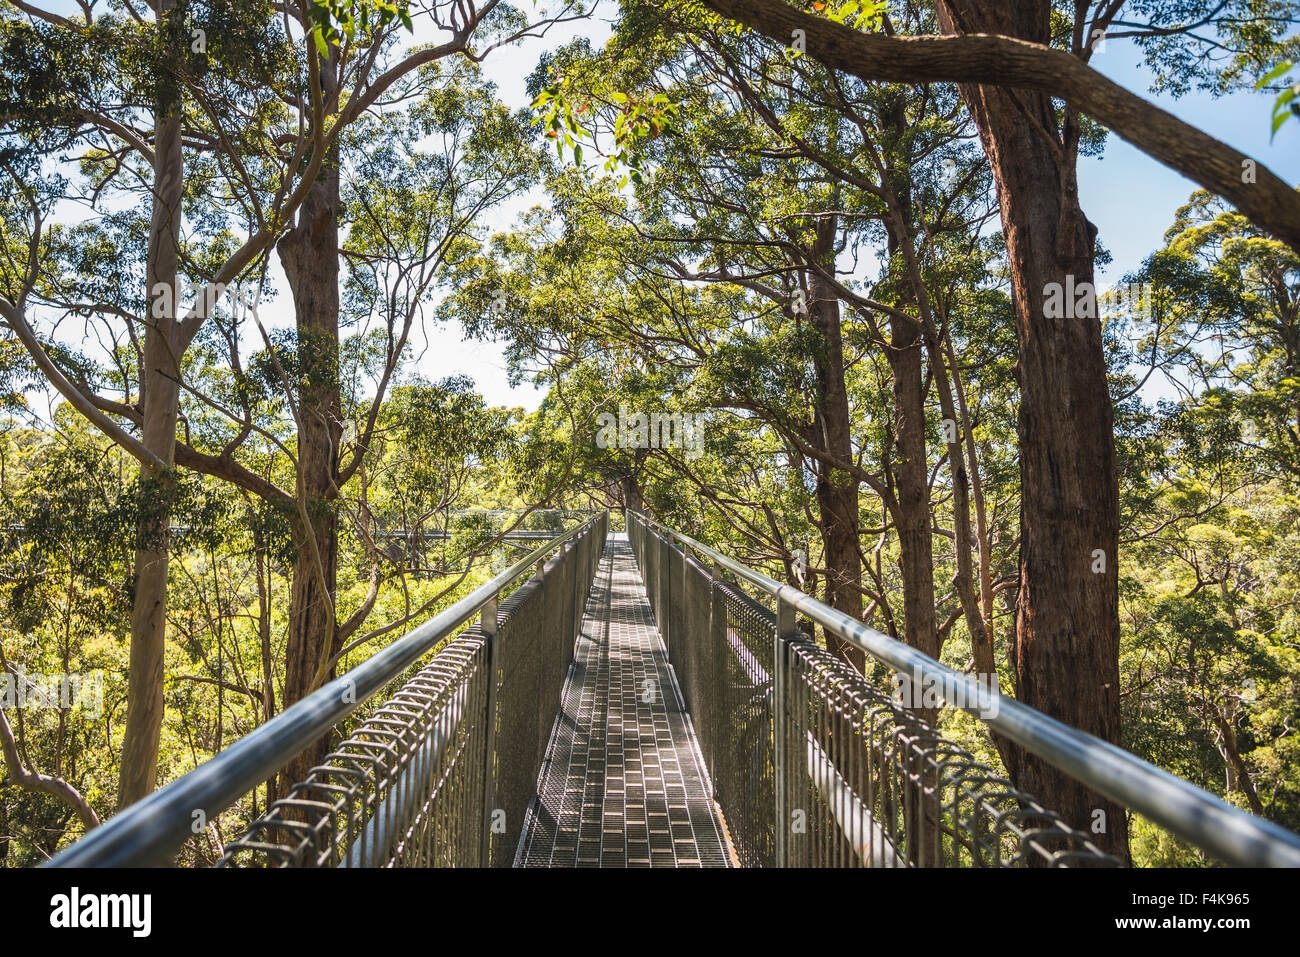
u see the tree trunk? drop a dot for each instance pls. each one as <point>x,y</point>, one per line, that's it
<point>1067,617</point>
<point>1238,775</point>
<point>837,491</point>
<point>983,541</point>
<point>911,475</point>
<point>160,390</point>
<point>264,640</point>
<point>310,255</point>
<point>629,492</point>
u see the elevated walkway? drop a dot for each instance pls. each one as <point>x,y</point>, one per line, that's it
<point>640,699</point>
<point>623,783</point>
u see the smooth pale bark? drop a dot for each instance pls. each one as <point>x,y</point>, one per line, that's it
<point>166,337</point>
<point>161,406</point>
<point>51,784</point>
<point>264,640</point>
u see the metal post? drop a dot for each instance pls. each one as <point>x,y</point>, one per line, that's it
<point>715,654</point>
<point>488,627</point>
<point>785,630</point>
<point>665,588</point>
<point>577,593</point>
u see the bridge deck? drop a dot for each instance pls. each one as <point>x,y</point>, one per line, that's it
<point>623,784</point>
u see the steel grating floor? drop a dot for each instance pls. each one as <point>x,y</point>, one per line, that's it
<point>623,784</point>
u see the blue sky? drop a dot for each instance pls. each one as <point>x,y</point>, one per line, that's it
<point>1131,197</point>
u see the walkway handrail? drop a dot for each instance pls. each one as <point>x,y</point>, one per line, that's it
<point>1209,822</point>
<point>150,832</point>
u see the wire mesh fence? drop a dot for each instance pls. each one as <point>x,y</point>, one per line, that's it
<point>810,762</point>
<point>439,774</point>
<point>814,766</point>
<point>406,788</point>
<point>443,773</point>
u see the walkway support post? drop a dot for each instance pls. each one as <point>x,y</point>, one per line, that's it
<point>786,630</point>
<point>717,665</point>
<point>488,628</point>
<point>665,590</point>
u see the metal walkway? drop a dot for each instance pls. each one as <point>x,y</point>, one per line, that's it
<point>623,784</point>
<point>461,760</point>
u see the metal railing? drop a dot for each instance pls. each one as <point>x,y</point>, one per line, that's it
<point>441,774</point>
<point>813,765</point>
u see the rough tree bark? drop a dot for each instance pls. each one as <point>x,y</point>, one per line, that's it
<point>912,488</point>
<point>1067,614</point>
<point>1067,617</point>
<point>911,476</point>
<point>629,492</point>
<point>832,429</point>
<point>310,256</point>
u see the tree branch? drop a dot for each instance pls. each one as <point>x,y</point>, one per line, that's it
<point>1002,61</point>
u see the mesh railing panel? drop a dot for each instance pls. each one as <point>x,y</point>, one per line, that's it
<point>697,671</point>
<point>427,776</point>
<point>743,642</point>
<point>400,789</point>
<point>864,782</point>
<point>871,784</point>
<point>519,700</point>
<point>676,610</point>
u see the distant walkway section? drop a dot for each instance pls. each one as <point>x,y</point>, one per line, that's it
<point>623,784</point>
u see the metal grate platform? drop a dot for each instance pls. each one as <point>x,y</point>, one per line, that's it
<point>623,784</point>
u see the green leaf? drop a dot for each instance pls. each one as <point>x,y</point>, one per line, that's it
<point>1273,74</point>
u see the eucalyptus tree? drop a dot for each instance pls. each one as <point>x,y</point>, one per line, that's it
<point>206,68</point>
<point>116,88</point>
<point>904,150</point>
<point>414,185</point>
<point>1226,328</point>
<point>65,552</point>
<point>758,141</point>
<point>359,53</point>
<point>1026,52</point>
<point>722,210</point>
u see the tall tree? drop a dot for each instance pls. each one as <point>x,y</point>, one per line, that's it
<point>1067,643</point>
<point>156,60</point>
